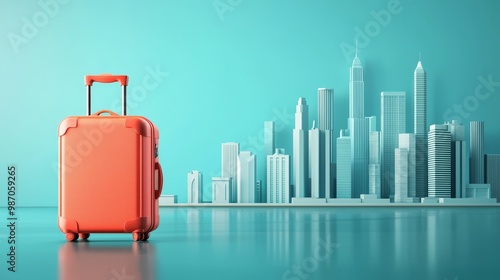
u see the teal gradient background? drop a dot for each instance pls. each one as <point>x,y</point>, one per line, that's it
<point>223,75</point>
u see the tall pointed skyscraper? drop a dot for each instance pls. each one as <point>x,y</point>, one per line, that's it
<point>356,89</point>
<point>300,149</point>
<point>420,129</point>
<point>359,131</point>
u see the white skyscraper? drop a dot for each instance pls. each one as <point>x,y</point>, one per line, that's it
<point>325,125</point>
<point>246,177</point>
<point>439,164</point>
<point>230,152</point>
<point>407,141</point>
<point>314,161</point>
<point>420,128</point>
<point>344,186</point>
<point>278,177</point>
<point>476,152</point>
<point>358,130</point>
<point>221,189</point>
<point>372,121</point>
<point>400,174</point>
<point>459,160</point>
<point>195,187</point>
<point>300,149</point>
<point>374,166</point>
<point>356,90</point>
<point>393,122</point>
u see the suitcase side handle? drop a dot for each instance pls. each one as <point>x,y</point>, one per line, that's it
<point>159,181</point>
<point>107,78</point>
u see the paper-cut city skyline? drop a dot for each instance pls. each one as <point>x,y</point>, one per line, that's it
<point>432,164</point>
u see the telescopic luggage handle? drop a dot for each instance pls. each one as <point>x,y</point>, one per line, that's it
<point>107,78</point>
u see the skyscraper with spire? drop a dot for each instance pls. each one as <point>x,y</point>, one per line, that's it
<point>359,130</point>
<point>300,149</point>
<point>356,89</point>
<point>420,129</point>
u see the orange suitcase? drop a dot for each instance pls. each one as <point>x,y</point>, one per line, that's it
<point>110,178</point>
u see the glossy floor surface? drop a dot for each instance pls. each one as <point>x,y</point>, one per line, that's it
<point>267,243</point>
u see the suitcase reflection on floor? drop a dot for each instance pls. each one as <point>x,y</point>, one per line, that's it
<point>109,260</point>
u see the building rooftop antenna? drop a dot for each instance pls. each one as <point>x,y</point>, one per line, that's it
<point>356,47</point>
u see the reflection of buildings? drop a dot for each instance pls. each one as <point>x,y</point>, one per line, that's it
<point>195,187</point>
<point>221,189</point>
<point>246,177</point>
<point>300,149</point>
<point>278,177</point>
<point>278,231</point>
<point>325,125</point>
<point>221,229</point>
<point>439,161</point>
<point>194,225</point>
<point>94,260</point>
<point>393,122</point>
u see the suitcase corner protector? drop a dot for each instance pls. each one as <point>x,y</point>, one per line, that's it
<point>67,123</point>
<point>66,225</point>
<point>141,125</point>
<point>140,224</point>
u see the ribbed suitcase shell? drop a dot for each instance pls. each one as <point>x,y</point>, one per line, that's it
<point>108,175</point>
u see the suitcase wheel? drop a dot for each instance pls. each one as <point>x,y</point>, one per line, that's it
<point>140,236</point>
<point>84,236</point>
<point>137,236</point>
<point>70,236</point>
